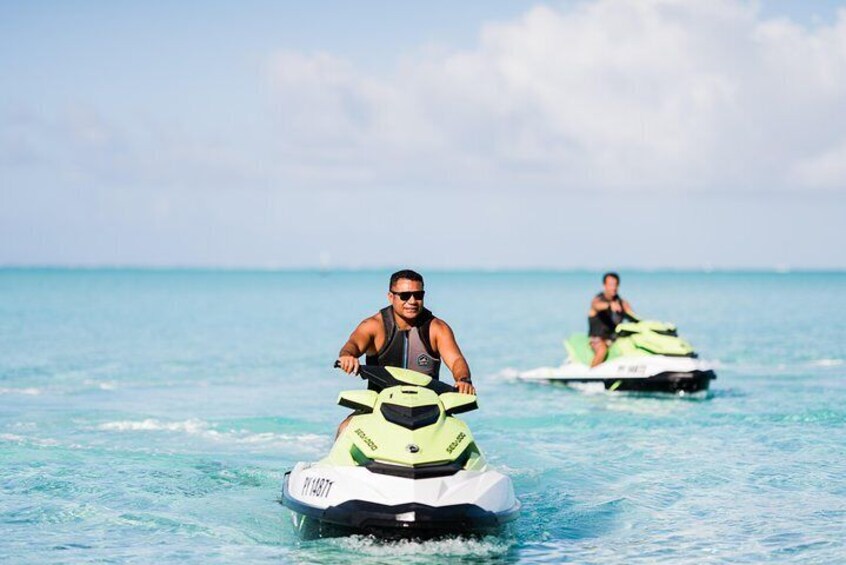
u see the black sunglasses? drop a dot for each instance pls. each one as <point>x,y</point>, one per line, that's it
<point>404,296</point>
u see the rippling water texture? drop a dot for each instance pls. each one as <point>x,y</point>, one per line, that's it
<point>149,417</point>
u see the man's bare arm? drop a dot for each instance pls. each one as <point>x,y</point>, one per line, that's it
<point>357,345</point>
<point>627,308</point>
<point>444,342</point>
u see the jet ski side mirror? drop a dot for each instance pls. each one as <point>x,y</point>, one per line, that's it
<point>358,399</point>
<point>458,402</point>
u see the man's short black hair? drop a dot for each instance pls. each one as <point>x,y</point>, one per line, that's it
<point>405,274</point>
<point>612,275</point>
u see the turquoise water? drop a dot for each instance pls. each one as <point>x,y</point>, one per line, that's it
<point>148,416</point>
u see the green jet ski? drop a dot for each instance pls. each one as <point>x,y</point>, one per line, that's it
<point>405,465</point>
<point>646,356</point>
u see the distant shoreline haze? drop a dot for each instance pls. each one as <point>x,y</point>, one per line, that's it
<point>424,270</point>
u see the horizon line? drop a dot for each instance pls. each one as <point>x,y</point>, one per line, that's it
<point>782,270</point>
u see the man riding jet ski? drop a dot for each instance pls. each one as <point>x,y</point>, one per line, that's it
<point>607,310</point>
<point>647,356</point>
<point>406,334</point>
<point>403,464</point>
<point>623,353</point>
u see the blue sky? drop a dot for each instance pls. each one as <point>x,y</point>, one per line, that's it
<point>654,134</point>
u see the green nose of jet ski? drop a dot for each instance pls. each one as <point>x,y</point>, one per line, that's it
<point>403,463</point>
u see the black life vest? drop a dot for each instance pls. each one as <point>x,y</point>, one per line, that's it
<point>605,322</point>
<point>407,349</point>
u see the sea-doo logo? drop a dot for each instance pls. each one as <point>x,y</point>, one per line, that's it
<point>370,443</point>
<point>317,486</point>
<point>456,442</point>
<point>423,360</point>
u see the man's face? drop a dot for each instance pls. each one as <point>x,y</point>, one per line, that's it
<point>411,307</point>
<point>611,285</point>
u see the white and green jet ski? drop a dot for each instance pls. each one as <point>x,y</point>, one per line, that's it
<point>405,465</point>
<point>647,356</point>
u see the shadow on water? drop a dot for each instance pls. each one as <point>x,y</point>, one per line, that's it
<point>728,393</point>
<point>702,396</point>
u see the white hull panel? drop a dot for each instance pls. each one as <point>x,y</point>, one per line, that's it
<point>623,368</point>
<point>323,486</point>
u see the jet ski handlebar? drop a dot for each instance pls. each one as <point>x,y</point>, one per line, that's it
<point>381,378</point>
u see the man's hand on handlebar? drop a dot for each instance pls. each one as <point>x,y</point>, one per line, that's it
<point>349,364</point>
<point>465,386</point>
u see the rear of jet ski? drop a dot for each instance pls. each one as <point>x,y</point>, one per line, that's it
<point>359,499</point>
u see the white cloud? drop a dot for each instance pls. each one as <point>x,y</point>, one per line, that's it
<point>660,94</point>
<point>80,145</point>
<point>692,95</point>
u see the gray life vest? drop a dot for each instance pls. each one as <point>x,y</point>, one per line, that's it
<point>409,349</point>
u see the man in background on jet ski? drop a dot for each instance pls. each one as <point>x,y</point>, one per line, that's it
<point>407,335</point>
<point>606,311</point>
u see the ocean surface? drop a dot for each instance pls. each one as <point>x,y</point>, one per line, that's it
<point>149,416</point>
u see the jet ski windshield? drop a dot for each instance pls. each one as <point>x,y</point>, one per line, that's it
<point>380,378</point>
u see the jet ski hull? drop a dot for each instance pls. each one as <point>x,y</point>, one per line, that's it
<point>691,382</point>
<point>403,465</point>
<point>654,373</point>
<point>356,500</point>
